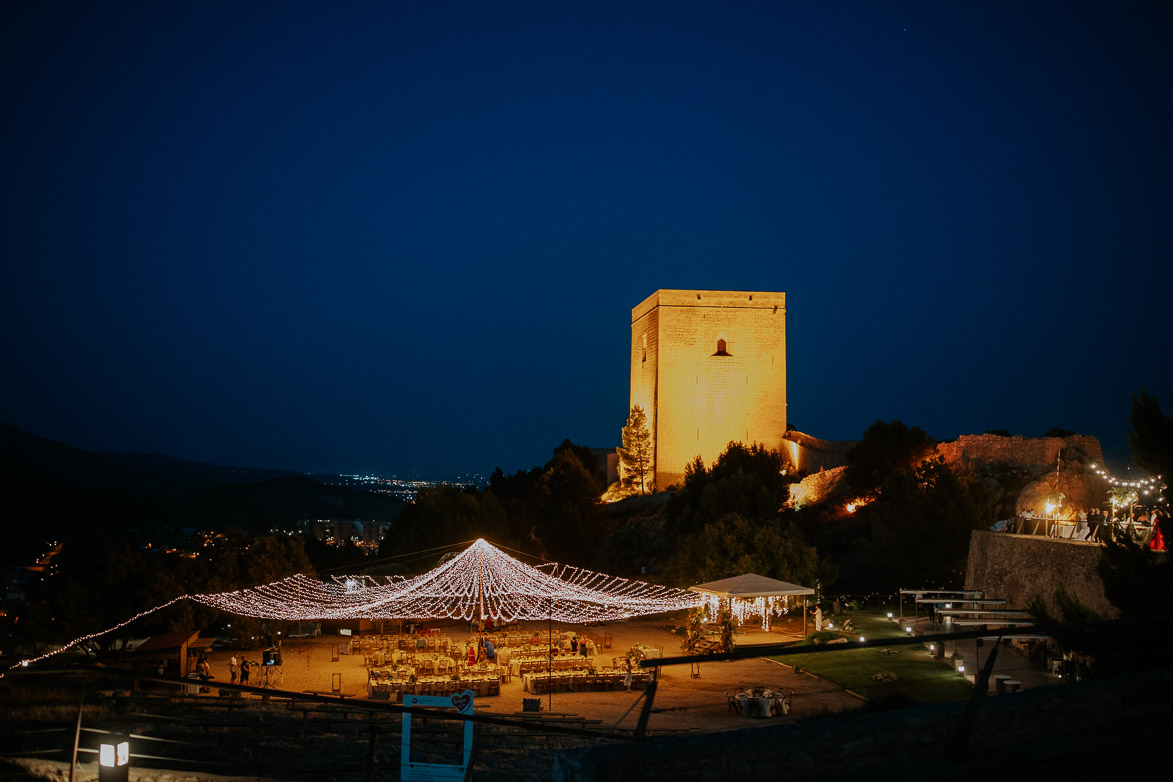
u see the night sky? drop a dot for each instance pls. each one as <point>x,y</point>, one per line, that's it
<point>408,236</point>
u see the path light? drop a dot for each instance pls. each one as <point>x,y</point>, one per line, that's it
<point>908,629</point>
<point>932,647</point>
<point>961,669</point>
<point>114,759</point>
<point>889,614</point>
<point>862,639</point>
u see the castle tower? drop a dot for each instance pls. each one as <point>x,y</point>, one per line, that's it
<point>708,368</point>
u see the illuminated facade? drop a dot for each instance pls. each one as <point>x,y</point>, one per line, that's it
<point>708,368</point>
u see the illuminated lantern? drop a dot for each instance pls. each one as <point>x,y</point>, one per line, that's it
<point>114,759</point>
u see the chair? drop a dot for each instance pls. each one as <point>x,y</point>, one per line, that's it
<point>336,682</point>
<point>731,700</point>
<point>606,640</point>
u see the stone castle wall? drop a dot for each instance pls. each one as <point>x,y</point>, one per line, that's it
<point>1040,453</point>
<point>815,487</point>
<point>812,454</point>
<point>700,399</point>
<point>1019,567</point>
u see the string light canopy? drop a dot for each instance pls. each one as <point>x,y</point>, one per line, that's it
<point>481,582</point>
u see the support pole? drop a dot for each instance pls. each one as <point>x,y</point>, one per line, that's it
<point>77,733</point>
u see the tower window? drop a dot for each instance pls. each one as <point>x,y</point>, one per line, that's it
<point>721,351</point>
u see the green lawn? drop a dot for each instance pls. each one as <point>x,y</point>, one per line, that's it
<point>919,678</point>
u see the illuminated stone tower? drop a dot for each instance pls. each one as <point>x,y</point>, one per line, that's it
<point>708,368</point>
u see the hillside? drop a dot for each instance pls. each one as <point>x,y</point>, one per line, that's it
<point>49,490</point>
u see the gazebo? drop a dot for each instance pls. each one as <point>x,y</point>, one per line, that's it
<point>752,595</point>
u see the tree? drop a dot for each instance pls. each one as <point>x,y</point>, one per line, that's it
<point>1151,439</point>
<point>920,528</point>
<point>886,446</point>
<point>636,454</point>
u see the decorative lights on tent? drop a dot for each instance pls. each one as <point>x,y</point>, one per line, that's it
<point>481,582</point>
<point>744,608</point>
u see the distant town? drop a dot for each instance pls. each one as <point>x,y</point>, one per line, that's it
<point>405,489</point>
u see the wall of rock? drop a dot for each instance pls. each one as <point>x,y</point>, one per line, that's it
<point>815,487</point>
<point>1037,453</point>
<point>1019,567</point>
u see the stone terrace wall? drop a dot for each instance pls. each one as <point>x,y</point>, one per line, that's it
<point>815,487</point>
<point>1068,726</point>
<point>1039,453</point>
<point>1018,567</point>
<point>812,454</point>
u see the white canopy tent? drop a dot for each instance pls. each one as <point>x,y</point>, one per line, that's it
<point>752,595</point>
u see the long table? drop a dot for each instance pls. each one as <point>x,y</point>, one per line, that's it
<point>395,689</point>
<point>541,682</point>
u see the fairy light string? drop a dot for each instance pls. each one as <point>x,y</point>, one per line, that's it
<point>1145,488</point>
<point>481,582</point>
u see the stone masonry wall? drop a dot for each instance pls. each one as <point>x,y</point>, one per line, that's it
<point>812,454</point>
<point>1019,567</point>
<point>1030,452</point>
<point>815,487</point>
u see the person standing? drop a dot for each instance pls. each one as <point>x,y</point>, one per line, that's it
<point>234,667</point>
<point>627,673</point>
<point>245,669</point>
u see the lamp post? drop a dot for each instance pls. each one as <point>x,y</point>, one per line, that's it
<point>114,759</point>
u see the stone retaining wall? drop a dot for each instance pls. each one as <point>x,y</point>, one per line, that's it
<point>1018,567</point>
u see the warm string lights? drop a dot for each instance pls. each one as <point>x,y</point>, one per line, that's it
<point>1147,489</point>
<point>91,636</point>
<point>481,582</point>
<point>743,608</point>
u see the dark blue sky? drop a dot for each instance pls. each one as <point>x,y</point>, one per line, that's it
<point>410,235</point>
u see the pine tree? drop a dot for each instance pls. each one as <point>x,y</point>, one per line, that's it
<point>636,454</point>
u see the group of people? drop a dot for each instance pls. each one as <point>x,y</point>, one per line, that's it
<point>241,667</point>
<point>482,651</point>
<point>1089,526</point>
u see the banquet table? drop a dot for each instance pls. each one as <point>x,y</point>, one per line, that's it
<point>764,705</point>
<point>540,682</point>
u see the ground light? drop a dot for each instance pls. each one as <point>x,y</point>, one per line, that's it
<point>114,759</point>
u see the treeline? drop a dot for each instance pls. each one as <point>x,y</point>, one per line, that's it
<point>909,522</point>
<point>551,511</point>
<point>901,517</point>
<point>99,585</point>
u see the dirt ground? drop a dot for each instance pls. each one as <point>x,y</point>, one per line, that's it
<point>682,703</point>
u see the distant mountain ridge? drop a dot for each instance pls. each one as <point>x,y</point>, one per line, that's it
<point>49,490</point>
